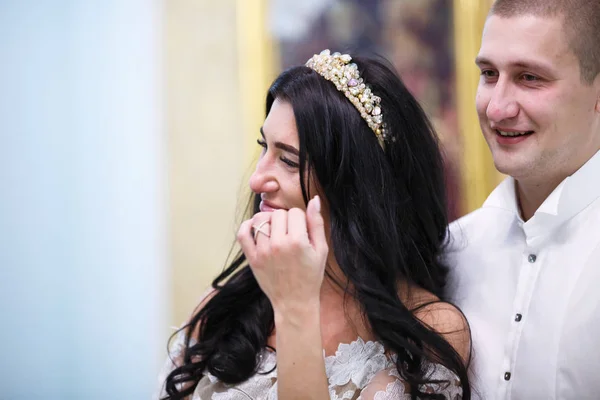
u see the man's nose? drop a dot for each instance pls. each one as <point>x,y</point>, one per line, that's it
<point>503,104</point>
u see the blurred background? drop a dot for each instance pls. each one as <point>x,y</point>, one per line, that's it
<point>127,134</point>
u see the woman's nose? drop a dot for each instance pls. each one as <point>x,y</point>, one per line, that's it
<point>263,179</point>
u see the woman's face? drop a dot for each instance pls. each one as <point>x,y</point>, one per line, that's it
<point>276,177</point>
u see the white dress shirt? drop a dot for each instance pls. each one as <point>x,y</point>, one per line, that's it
<point>531,291</point>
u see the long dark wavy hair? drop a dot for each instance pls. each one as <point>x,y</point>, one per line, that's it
<point>388,224</point>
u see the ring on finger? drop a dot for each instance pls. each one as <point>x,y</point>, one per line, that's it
<point>258,229</point>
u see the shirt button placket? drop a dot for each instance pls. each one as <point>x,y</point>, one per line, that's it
<point>531,258</point>
<point>518,317</point>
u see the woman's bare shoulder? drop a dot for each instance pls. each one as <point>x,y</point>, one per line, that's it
<point>447,320</point>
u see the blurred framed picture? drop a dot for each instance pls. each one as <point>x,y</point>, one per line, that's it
<point>415,35</point>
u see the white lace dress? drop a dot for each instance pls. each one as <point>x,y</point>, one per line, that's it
<point>358,371</point>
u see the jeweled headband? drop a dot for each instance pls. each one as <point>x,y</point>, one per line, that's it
<point>337,68</point>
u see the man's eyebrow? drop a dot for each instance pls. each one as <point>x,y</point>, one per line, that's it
<point>282,146</point>
<point>525,64</point>
<point>481,60</point>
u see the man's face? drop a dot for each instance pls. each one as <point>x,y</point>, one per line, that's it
<point>538,118</point>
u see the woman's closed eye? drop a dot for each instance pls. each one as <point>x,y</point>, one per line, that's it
<point>262,143</point>
<point>289,162</point>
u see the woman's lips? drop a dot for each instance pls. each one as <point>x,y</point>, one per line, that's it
<point>268,207</point>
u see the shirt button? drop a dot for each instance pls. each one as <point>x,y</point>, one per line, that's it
<point>507,376</point>
<point>518,317</point>
<point>532,258</point>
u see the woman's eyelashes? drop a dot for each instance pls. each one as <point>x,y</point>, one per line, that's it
<point>262,143</point>
<point>289,162</point>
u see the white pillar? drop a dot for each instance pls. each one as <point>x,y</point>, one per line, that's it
<point>83,241</point>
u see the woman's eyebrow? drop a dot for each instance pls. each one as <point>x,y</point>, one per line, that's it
<point>282,146</point>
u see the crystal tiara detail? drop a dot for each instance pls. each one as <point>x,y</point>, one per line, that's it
<point>338,69</point>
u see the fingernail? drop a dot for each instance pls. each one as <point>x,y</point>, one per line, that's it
<point>317,201</point>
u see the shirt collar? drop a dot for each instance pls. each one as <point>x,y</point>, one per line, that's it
<point>580,189</point>
<point>570,197</point>
<point>504,197</point>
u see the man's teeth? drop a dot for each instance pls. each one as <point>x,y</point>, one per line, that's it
<point>513,133</point>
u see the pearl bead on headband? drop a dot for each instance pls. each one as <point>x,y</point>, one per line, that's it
<point>338,69</point>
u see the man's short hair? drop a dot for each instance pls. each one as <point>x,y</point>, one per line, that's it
<point>581,22</point>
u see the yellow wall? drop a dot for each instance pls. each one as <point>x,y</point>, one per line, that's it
<point>216,60</point>
<point>479,176</point>
<point>219,62</point>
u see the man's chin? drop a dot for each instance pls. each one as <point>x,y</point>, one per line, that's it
<point>510,166</point>
<point>518,169</point>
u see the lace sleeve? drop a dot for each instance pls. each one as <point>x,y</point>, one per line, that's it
<point>174,355</point>
<point>176,347</point>
<point>387,385</point>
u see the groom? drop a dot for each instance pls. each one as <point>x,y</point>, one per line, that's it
<point>525,267</point>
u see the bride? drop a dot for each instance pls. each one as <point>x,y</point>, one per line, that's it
<point>338,290</point>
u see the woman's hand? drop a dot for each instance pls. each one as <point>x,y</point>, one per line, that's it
<point>287,251</point>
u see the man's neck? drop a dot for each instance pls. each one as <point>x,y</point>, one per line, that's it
<point>533,191</point>
<point>530,196</point>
